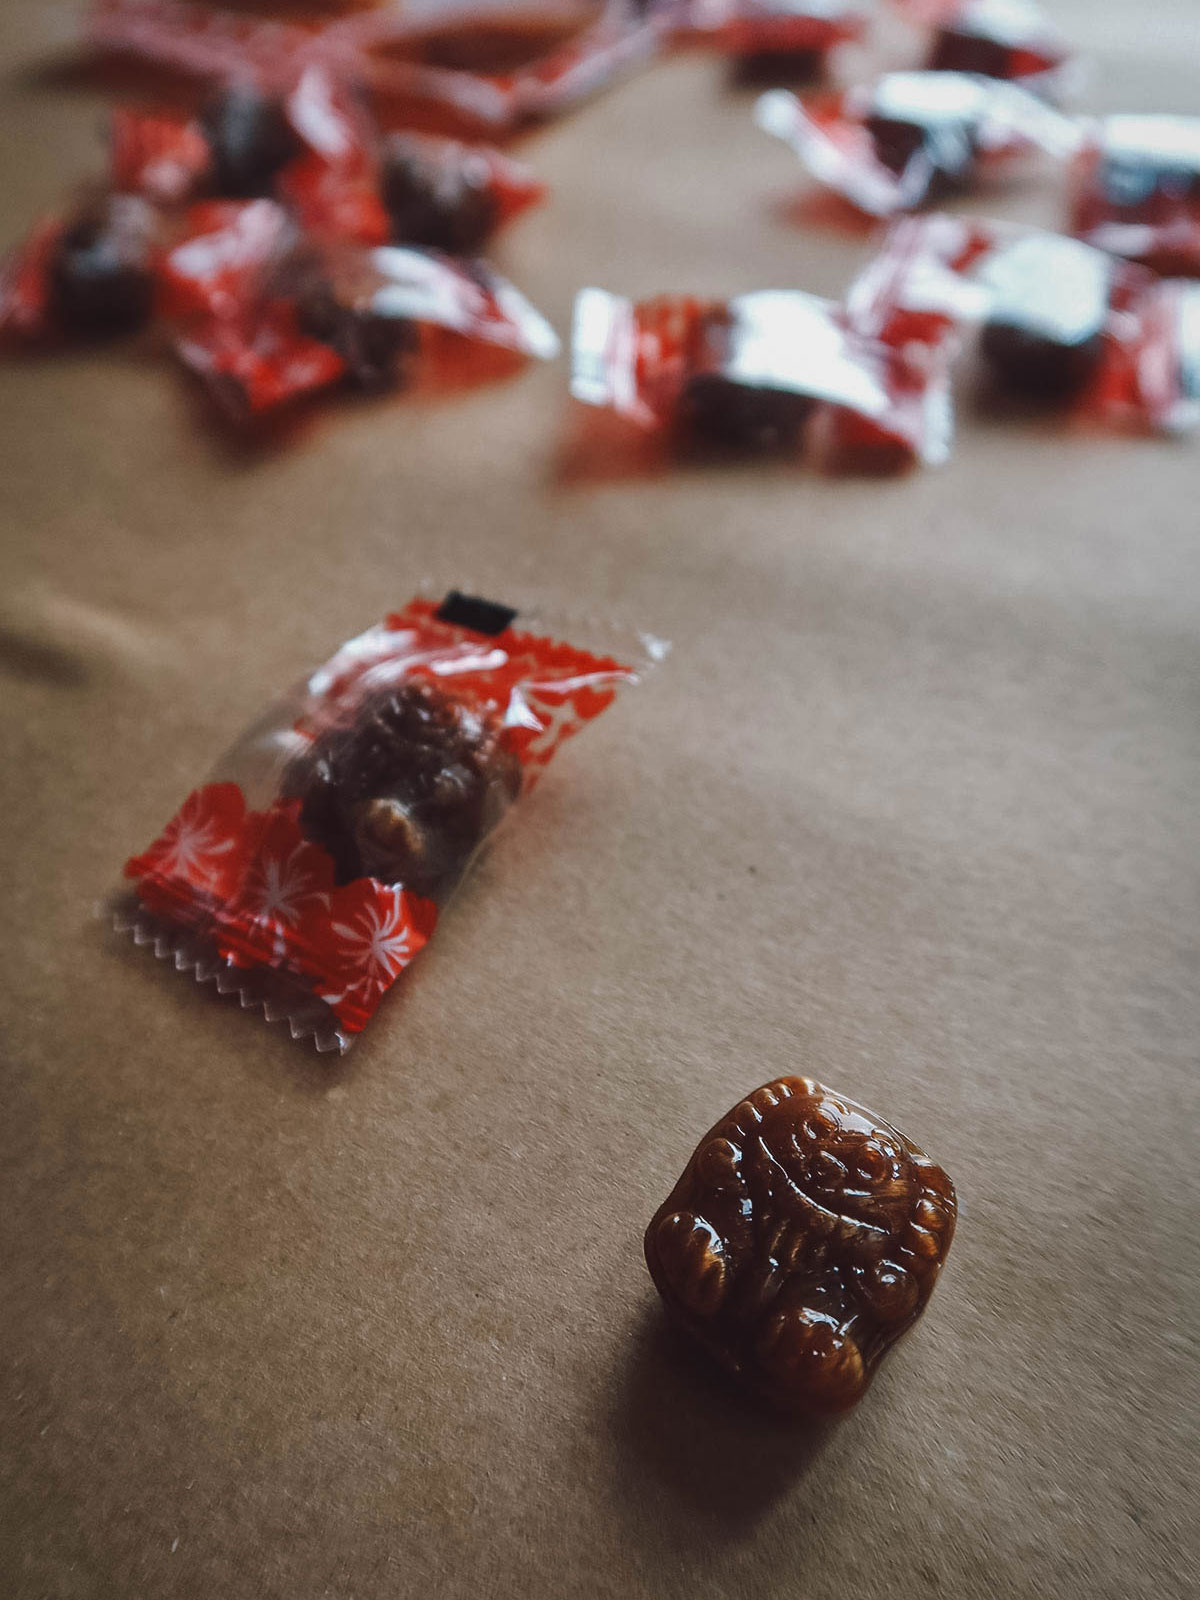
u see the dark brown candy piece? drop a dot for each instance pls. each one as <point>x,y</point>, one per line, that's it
<point>719,408</point>
<point>101,281</point>
<point>251,140</point>
<point>721,412</point>
<point>444,203</point>
<point>779,66</point>
<point>959,48</point>
<point>1046,326</point>
<point>407,790</point>
<point>373,345</point>
<point>804,1237</point>
<point>927,115</point>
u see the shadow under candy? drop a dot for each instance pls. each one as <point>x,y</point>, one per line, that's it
<point>682,1429</point>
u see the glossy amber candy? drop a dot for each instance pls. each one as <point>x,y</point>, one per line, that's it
<point>804,1237</point>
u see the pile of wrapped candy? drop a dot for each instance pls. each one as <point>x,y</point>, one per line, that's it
<point>315,222</point>
<point>312,220</point>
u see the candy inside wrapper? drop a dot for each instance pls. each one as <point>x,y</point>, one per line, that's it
<point>1011,40</point>
<point>87,276</point>
<point>776,371</point>
<point>1054,320</point>
<point>311,868</point>
<point>1137,191</point>
<point>476,69</point>
<point>771,38</point>
<point>892,145</point>
<point>266,315</point>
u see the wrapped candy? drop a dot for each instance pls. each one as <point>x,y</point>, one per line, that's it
<point>772,38</point>
<point>777,371</point>
<point>314,144</point>
<point>478,68</point>
<point>1055,319</point>
<point>87,276</point>
<point>892,145</point>
<point>266,315</point>
<point>1009,39</point>
<point>312,866</point>
<point>1137,190</point>
<point>317,149</point>
<point>451,196</point>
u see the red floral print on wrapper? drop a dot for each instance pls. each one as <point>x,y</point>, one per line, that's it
<point>369,935</point>
<point>283,895</point>
<point>249,898</point>
<point>266,897</point>
<point>198,860</point>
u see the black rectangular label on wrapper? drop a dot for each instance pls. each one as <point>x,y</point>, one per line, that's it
<point>470,611</point>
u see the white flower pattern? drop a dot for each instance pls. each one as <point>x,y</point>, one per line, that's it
<point>374,947</point>
<point>192,845</point>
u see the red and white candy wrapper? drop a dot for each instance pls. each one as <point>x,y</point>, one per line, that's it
<point>160,154</point>
<point>1137,191</point>
<point>1012,40</point>
<point>937,275</point>
<point>312,866</point>
<point>1157,384</point>
<point>87,275</point>
<point>806,30</point>
<point>318,148</point>
<point>204,41</point>
<point>775,370</point>
<point>563,55</point>
<point>404,188</point>
<point>1055,319</point>
<point>889,146</point>
<point>342,177</point>
<point>266,317</point>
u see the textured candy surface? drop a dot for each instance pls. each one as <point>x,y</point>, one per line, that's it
<point>409,790</point>
<point>803,1239</point>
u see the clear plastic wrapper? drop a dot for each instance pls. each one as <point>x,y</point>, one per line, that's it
<point>771,36</point>
<point>777,371</point>
<point>1051,318</point>
<point>1137,190</point>
<point>892,145</point>
<point>478,68</point>
<point>266,315</point>
<point>311,867</point>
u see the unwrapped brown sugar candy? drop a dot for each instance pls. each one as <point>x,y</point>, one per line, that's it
<point>803,1239</point>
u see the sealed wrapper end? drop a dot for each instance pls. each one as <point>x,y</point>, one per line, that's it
<point>1137,191</point>
<point>266,316</point>
<point>1012,40</point>
<point>776,371</point>
<point>892,145</point>
<point>311,868</point>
